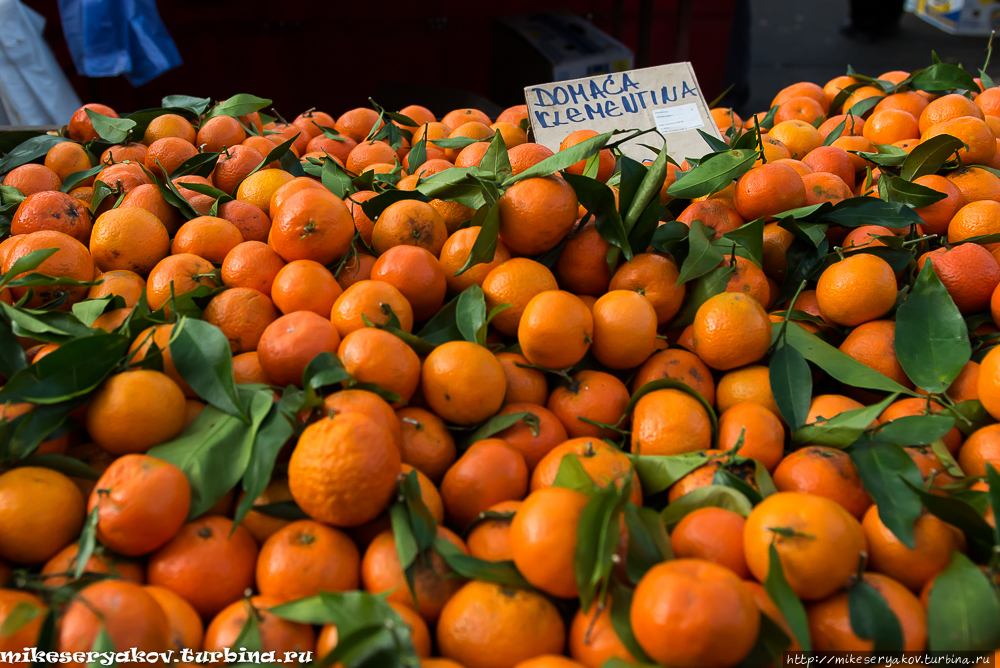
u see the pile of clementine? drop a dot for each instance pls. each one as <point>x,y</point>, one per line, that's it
<point>418,391</point>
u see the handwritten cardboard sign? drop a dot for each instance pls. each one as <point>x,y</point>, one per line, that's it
<point>666,97</point>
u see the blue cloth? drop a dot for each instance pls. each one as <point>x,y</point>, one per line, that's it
<point>111,37</point>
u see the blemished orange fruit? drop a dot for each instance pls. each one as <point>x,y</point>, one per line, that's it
<point>819,543</point>
<point>680,365</point>
<point>857,289</point>
<point>241,314</point>
<point>825,187</point>
<point>312,225</point>
<point>31,179</point>
<point>769,189</point>
<point>375,300</point>
<point>305,558</point>
<point>486,625</point>
<point>824,471</point>
<point>489,472</point>
<point>934,541</point>
<point>235,165</point>
<point>682,608</point>
<point>409,223</point>
<point>288,344</point>
<point>303,285</point>
<point>373,355</point>
<point>543,538</point>
<point>248,218</point>
<point>731,330</point>
<point>434,581</point>
<point>123,610</point>
<point>592,395</point>
<point>536,214</point>
<point>52,210</point>
<point>41,512</point>
<point>624,329</point>
<point>829,619</point>
<point>426,443</point>
<point>969,272</point>
<point>670,422</point>
<point>141,503</point>
<point>207,562</point>
<point>135,410</point>
<point>747,278</point>
<point>556,329</point>
<point>976,184</point>
<point>455,253</point>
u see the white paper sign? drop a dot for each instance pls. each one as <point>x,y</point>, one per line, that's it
<point>666,97</point>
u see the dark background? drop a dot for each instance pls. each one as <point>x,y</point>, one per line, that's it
<point>333,56</point>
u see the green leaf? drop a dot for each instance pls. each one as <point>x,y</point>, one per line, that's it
<point>201,353</point>
<point>858,211</point>
<point>87,542</point>
<point>283,510</point>
<point>407,549</point>
<point>102,647</point>
<point>910,194</point>
<point>621,606</point>
<point>843,429</point>
<point>599,200</point>
<point>993,480</point>
<point>648,542</point>
<point>841,367</point>
<point>496,424</point>
<point>114,130</point>
<point>751,237</point>
<point>709,285</point>
<point>873,619</point>
<point>710,496</point>
<point>442,327</point>
<point>791,385</point>
<point>273,433</point>
<point>914,429</point>
<point>90,310</point>
<point>932,341</point>
<point>485,246</point>
<point>495,163</point>
<point>942,77</point>
<point>885,470</point>
<point>27,263</point>
<point>962,516</point>
<point>74,369</point>
<point>974,416</point>
<point>12,357</point>
<point>562,159</point>
<point>771,642</point>
<point>29,151</point>
<point>73,180</point>
<point>470,314</point>
<point>196,105</point>
<point>23,435</point>
<point>713,174</point>
<point>864,106</point>
<point>20,616</point>
<point>598,536</point>
<point>335,179</point>
<point>702,257</point>
<point>781,593</point>
<point>55,326</point>
<point>836,133</point>
<point>963,612</point>
<point>200,164</point>
<point>68,466</point>
<point>572,475</point>
<point>649,188</point>
<point>928,156</point>
<point>215,450</point>
<point>658,472</point>
<point>500,572</point>
<point>237,105</point>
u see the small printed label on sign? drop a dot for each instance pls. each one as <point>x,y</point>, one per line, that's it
<point>677,119</point>
<point>665,99</point>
